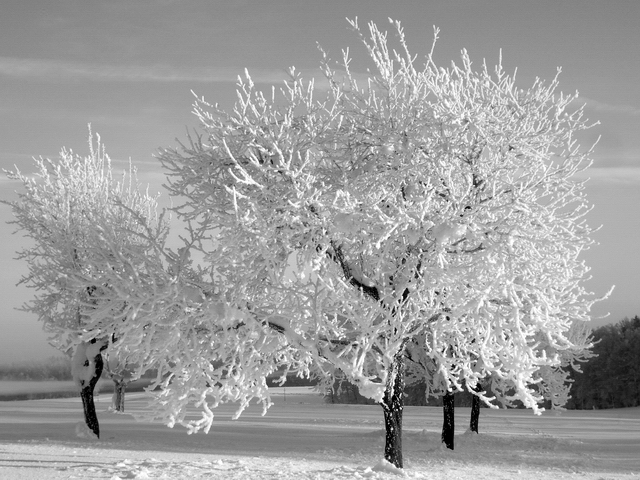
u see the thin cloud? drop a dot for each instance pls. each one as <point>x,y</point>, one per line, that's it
<point>610,108</point>
<point>56,70</point>
<point>51,70</point>
<point>8,181</point>
<point>611,175</point>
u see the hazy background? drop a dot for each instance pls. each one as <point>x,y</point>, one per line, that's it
<point>128,68</point>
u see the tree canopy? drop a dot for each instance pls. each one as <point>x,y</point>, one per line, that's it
<point>421,204</point>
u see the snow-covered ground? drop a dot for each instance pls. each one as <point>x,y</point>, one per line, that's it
<point>17,387</point>
<point>12,388</point>
<point>303,438</point>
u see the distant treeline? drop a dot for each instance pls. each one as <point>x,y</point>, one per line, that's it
<point>415,395</point>
<point>612,379</point>
<point>293,380</point>
<point>53,368</point>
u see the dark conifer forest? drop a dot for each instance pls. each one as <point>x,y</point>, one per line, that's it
<point>612,378</point>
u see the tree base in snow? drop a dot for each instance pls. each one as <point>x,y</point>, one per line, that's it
<point>392,406</point>
<point>448,425</point>
<point>119,388</point>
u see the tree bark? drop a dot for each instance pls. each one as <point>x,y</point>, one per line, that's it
<point>90,416</point>
<point>448,426</point>
<point>475,411</point>
<point>119,387</point>
<point>392,406</point>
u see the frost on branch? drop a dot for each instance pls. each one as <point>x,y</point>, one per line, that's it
<point>83,366</point>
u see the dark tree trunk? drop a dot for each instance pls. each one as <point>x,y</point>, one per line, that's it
<point>475,411</point>
<point>448,426</point>
<point>392,406</point>
<point>90,416</point>
<point>119,387</point>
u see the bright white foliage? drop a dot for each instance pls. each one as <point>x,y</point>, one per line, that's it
<point>66,209</point>
<point>433,207</point>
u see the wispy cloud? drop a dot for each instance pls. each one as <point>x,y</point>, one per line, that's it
<point>610,108</point>
<point>52,70</point>
<point>611,175</point>
<point>56,70</point>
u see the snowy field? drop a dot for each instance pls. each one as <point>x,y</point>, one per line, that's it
<point>11,388</point>
<point>303,438</point>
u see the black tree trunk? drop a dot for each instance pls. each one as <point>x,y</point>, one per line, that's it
<point>448,426</point>
<point>475,411</point>
<point>119,387</point>
<point>90,416</point>
<point>392,406</point>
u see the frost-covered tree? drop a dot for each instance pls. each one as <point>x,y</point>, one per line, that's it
<point>419,204</point>
<point>551,382</point>
<point>63,209</point>
<point>340,224</point>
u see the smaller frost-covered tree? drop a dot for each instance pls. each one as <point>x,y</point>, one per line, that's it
<point>106,279</point>
<point>62,208</point>
<point>550,382</point>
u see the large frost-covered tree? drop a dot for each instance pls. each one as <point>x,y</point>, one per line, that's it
<point>63,209</point>
<point>417,205</point>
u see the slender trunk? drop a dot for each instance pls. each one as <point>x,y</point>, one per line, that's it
<point>119,387</point>
<point>90,416</point>
<point>448,426</point>
<point>392,406</point>
<point>475,411</point>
